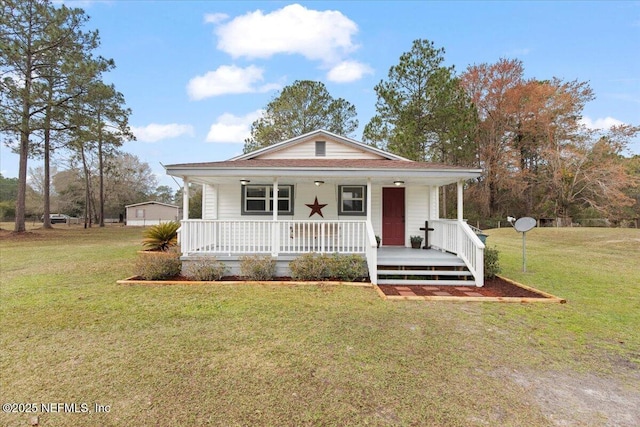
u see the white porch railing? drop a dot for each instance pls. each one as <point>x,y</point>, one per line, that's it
<point>274,237</point>
<point>458,237</point>
<point>198,236</point>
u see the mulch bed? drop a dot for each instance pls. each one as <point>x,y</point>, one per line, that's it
<point>496,289</point>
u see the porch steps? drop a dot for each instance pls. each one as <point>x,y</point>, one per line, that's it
<point>436,269</point>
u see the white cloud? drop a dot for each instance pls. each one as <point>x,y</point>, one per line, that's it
<point>228,79</point>
<point>156,132</point>
<point>317,35</point>
<point>605,123</point>
<point>230,128</point>
<point>215,18</point>
<point>348,71</point>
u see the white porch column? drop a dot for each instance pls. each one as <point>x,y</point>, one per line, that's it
<point>369,192</point>
<point>275,199</point>
<point>275,237</point>
<point>185,197</point>
<point>460,203</point>
<point>434,202</point>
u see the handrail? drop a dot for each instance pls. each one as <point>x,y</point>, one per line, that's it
<point>372,254</point>
<point>457,237</point>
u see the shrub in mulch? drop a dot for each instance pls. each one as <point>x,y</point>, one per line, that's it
<point>206,270</point>
<point>311,266</point>
<point>158,265</point>
<point>491,262</point>
<point>258,267</point>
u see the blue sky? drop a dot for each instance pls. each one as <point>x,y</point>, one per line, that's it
<point>197,73</point>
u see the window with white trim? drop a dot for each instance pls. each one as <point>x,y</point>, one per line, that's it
<point>353,200</point>
<point>258,199</point>
<point>139,213</point>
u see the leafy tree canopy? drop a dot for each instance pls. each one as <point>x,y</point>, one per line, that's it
<point>422,112</point>
<point>303,107</point>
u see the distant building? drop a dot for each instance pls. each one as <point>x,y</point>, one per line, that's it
<point>151,213</point>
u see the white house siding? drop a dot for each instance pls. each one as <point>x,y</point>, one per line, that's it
<point>210,202</point>
<point>376,209</point>
<point>417,210</point>
<point>307,150</point>
<point>228,205</point>
<point>230,202</point>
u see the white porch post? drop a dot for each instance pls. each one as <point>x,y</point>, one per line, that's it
<point>275,237</point>
<point>369,192</point>
<point>460,203</point>
<point>185,197</point>
<point>434,205</point>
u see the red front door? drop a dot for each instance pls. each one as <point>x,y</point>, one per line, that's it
<point>393,216</point>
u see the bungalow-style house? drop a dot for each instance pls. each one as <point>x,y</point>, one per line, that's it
<point>151,213</point>
<point>321,192</point>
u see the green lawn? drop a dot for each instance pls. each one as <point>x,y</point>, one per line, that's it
<point>306,355</point>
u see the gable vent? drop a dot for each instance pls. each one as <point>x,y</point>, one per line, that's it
<point>321,148</point>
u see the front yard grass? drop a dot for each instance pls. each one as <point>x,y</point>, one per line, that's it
<point>310,355</point>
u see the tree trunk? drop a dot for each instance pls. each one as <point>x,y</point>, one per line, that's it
<point>24,152</point>
<point>46,187</point>
<point>101,177</point>
<point>19,225</point>
<point>87,186</point>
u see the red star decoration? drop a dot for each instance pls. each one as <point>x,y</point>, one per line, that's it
<point>316,208</point>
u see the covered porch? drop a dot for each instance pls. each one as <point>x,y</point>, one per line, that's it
<point>326,193</point>
<point>454,246</point>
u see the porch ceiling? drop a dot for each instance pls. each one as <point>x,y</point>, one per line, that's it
<point>334,180</point>
<point>402,171</point>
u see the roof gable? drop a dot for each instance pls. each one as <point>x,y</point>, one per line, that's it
<point>152,202</point>
<point>304,147</point>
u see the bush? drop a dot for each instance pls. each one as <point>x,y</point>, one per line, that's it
<point>491,263</point>
<point>158,265</point>
<point>347,268</point>
<point>7,210</point>
<point>162,236</point>
<point>309,267</point>
<point>206,270</point>
<point>257,267</point>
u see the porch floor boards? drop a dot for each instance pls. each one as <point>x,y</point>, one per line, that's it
<point>396,255</point>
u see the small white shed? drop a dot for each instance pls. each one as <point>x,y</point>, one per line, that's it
<point>151,213</point>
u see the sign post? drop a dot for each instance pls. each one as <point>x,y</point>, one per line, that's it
<point>523,225</point>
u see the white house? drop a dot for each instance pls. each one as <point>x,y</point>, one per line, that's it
<point>151,213</point>
<point>333,194</point>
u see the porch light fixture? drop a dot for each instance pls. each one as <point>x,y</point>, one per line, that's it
<point>244,181</point>
<point>318,183</point>
<point>398,183</point>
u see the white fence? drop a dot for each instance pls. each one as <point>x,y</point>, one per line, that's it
<point>458,237</point>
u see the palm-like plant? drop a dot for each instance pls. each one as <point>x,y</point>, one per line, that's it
<point>162,236</point>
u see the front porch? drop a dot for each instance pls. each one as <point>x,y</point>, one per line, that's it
<point>456,256</point>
